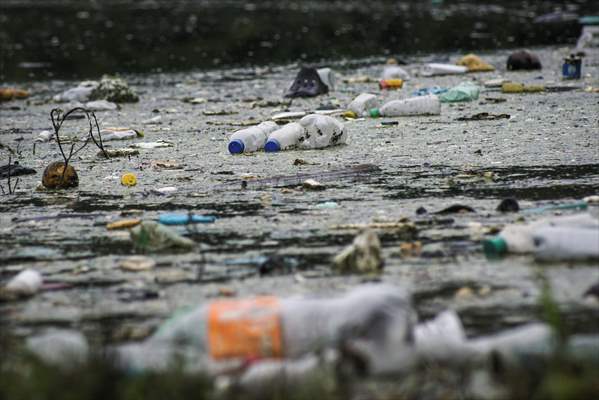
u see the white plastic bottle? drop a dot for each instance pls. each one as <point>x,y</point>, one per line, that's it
<point>566,243</point>
<point>422,105</point>
<point>321,131</point>
<point>435,69</point>
<point>252,138</point>
<point>370,319</point>
<point>363,103</point>
<point>284,138</point>
<point>394,72</point>
<point>519,238</point>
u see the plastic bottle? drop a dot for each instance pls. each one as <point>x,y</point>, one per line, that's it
<point>363,103</point>
<point>518,238</point>
<point>321,131</point>
<point>435,69</point>
<point>368,317</point>
<point>252,138</point>
<point>284,138</point>
<point>565,243</point>
<point>422,105</point>
<point>394,72</point>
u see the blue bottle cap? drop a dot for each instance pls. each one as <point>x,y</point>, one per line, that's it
<point>236,146</point>
<point>272,145</point>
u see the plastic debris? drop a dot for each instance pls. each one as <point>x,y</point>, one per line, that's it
<point>63,348</point>
<point>475,64</point>
<point>284,138</point>
<point>465,91</point>
<point>328,77</point>
<point>123,224</point>
<point>362,104</point>
<point>137,263</point>
<point>307,83</point>
<point>152,145</point>
<point>572,67</point>
<point>152,236</point>
<point>495,83</point>
<point>362,256</point>
<point>252,138</point>
<point>519,238</point>
<point>523,60</point>
<point>128,179</point>
<point>566,243</point>
<point>513,87</point>
<point>288,115</point>
<point>321,131</point>
<point>428,91</point>
<point>119,133</point>
<point>390,84</point>
<point>184,219</point>
<point>44,136</point>
<point>81,93</point>
<point>435,69</point>
<point>101,105</point>
<point>26,283</point>
<point>7,94</point>
<point>394,71</point>
<point>312,184</point>
<point>57,177</point>
<point>423,105</point>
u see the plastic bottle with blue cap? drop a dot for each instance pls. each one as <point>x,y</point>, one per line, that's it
<point>285,138</point>
<point>252,138</point>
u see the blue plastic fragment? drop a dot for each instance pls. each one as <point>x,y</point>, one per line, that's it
<point>183,219</point>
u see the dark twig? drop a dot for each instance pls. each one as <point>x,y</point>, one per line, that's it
<point>11,188</point>
<point>98,143</point>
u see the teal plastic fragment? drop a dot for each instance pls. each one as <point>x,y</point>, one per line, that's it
<point>183,219</point>
<point>579,205</point>
<point>465,91</point>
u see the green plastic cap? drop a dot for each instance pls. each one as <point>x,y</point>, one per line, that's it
<point>375,113</point>
<point>495,246</point>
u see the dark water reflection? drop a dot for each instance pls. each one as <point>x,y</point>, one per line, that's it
<point>79,39</point>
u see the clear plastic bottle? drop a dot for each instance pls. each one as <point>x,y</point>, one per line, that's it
<point>422,105</point>
<point>363,103</point>
<point>566,243</point>
<point>284,138</point>
<point>252,138</point>
<point>371,319</point>
<point>321,131</point>
<point>519,238</point>
<point>435,69</point>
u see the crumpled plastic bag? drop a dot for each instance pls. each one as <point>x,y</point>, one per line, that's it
<point>152,236</point>
<point>465,91</point>
<point>307,83</point>
<point>321,131</point>
<point>475,64</point>
<point>362,256</point>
